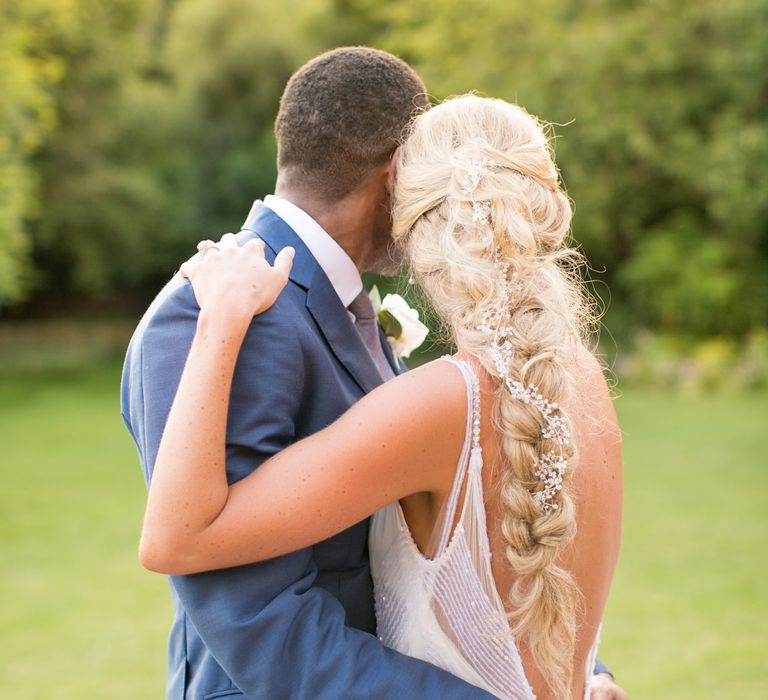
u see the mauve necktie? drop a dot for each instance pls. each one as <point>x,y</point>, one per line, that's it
<point>368,327</point>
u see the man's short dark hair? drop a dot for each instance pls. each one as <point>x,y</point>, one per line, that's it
<point>341,115</point>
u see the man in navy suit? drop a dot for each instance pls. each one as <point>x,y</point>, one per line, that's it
<point>301,625</point>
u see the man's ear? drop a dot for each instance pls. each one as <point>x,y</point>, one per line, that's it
<point>391,170</point>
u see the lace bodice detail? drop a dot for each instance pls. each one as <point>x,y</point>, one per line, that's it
<point>446,610</point>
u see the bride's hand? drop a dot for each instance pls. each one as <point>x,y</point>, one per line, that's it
<point>237,281</point>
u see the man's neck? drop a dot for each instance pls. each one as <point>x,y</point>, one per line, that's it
<point>345,220</point>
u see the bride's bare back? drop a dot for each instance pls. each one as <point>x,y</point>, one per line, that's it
<point>596,483</point>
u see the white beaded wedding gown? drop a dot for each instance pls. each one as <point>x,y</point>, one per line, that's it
<point>446,610</point>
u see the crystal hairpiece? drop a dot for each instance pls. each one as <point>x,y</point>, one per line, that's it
<point>476,169</point>
<point>555,426</point>
<point>549,471</point>
<point>550,467</point>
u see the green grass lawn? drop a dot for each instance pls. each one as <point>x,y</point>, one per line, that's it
<point>80,619</point>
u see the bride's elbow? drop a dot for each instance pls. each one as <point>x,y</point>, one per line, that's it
<point>160,555</point>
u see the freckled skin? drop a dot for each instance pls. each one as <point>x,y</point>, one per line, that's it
<point>418,419</point>
<point>340,475</point>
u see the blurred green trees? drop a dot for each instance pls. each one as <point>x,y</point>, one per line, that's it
<point>130,129</point>
<point>28,69</point>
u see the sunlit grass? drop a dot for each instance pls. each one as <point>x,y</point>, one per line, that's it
<point>689,608</point>
<point>80,619</point>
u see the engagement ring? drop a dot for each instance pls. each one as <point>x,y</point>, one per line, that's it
<point>205,246</point>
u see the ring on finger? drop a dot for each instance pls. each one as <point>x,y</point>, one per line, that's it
<point>204,246</point>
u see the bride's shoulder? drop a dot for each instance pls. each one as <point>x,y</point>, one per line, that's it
<point>419,418</point>
<point>441,378</point>
<point>436,391</point>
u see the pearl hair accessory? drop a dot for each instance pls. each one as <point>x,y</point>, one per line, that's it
<point>549,470</point>
<point>476,169</point>
<point>550,467</point>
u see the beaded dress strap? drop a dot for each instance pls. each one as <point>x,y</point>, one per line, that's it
<point>475,408</point>
<point>470,450</point>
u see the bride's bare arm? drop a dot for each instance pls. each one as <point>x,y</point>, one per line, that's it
<point>393,443</point>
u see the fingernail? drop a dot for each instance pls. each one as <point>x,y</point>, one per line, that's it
<point>291,251</point>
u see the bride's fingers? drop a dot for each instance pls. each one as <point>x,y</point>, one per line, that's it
<point>284,261</point>
<point>255,245</point>
<point>188,268</point>
<point>228,240</point>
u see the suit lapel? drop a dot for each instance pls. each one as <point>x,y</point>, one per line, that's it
<point>322,301</point>
<point>340,332</point>
<point>268,226</point>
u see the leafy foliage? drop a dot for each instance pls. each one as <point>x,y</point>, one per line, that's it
<point>134,128</point>
<point>28,69</point>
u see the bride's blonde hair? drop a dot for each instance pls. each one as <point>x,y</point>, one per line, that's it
<point>484,221</point>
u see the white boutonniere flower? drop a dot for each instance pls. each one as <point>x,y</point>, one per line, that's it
<point>400,322</point>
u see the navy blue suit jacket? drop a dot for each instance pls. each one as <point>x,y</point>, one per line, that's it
<point>301,625</point>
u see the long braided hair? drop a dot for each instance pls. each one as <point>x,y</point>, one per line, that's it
<point>484,223</point>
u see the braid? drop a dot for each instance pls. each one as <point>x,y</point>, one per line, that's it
<point>483,220</point>
<point>544,595</point>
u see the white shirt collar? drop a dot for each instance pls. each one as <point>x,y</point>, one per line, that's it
<point>337,265</point>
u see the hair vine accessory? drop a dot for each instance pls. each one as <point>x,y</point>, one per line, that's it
<point>555,426</point>
<point>551,466</point>
<point>481,212</point>
<point>549,471</point>
<point>476,169</point>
